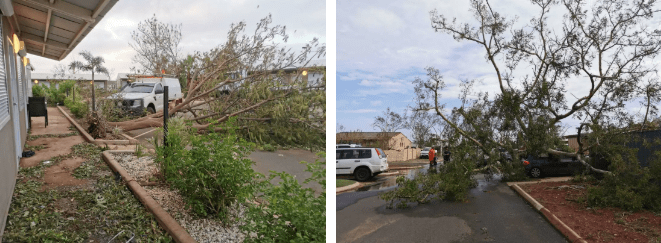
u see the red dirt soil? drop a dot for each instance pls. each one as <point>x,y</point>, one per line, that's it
<point>61,174</point>
<point>54,147</point>
<point>595,225</point>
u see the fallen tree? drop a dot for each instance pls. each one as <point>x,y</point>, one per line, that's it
<point>252,77</point>
<point>607,50</point>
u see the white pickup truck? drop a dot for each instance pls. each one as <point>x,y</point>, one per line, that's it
<point>146,92</point>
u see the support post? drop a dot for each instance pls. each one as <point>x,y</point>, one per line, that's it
<point>93,95</point>
<point>166,113</point>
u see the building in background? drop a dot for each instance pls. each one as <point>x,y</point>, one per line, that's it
<point>383,140</point>
<point>100,80</point>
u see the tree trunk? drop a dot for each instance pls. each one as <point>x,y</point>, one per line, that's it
<point>137,124</point>
<point>647,111</point>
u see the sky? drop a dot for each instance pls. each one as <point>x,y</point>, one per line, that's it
<point>382,47</point>
<point>204,25</point>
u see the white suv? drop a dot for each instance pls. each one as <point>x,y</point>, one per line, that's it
<point>362,163</point>
<point>425,152</point>
<point>147,93</point>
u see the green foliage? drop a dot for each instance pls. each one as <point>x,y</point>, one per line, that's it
<point>630,187</point>
<point>78,107</point>
<point>297,120</point>
<point>291,213</point>
<point>211,171</point>
<point>39,90</point>
<point>113,113</point>
<point>268,147</point>
<point>452,181</point>
<point>513,171</point>
<point>140,151</point>
<point>55,95</point>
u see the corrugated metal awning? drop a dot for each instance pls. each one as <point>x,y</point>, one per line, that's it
<point>52,28</point>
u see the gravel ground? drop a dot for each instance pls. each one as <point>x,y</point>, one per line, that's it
<point>202,230</point>
<point>139,168</point>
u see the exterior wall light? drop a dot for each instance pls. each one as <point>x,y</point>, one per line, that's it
<point>305,73</point>
<point>16,43</point>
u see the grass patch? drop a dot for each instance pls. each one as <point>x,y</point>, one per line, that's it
<point>34,148</point>
<point>343,182</point>
<point>35,137</point>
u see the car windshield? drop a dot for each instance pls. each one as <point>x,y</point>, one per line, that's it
<point>138,88</point>
<point>426,149</point>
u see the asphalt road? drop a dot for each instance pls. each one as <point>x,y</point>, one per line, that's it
<point>287,161</point>
<point>494,212</point>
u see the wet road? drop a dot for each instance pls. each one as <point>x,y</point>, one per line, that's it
<point>494,212</point>
<point>287,161</point>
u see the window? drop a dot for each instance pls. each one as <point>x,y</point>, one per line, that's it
<point>159,87</point>
<point>4,94</point>
<point>347,154</point>
<point>364,154</point>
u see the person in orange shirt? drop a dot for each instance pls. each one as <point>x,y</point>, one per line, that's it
<point>432,157</point>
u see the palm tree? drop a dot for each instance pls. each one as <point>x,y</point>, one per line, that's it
<point>93,64</point>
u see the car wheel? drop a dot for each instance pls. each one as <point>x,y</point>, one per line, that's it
<point>362,174</point>
<point>535,172</point>
<point>151,110</point>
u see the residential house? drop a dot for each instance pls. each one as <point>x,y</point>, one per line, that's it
<point>312,72</point>
<point>49,29</point>
<point>383,140</point>
<point>572,141</point>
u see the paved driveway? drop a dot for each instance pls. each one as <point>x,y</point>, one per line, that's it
<point>493,213</point>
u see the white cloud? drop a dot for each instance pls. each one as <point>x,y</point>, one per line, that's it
<point>359,111</point>
<point>377,19</point>
<point>376,102</point>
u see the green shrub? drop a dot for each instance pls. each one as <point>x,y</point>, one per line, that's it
<point>78,108</point>
<point>39,90</point>
<point>268,147</point>
<point>630,187</point>
<point>211,171</point>
<point>55,95</point>
<point>291,213</point>
<point>452,181</point>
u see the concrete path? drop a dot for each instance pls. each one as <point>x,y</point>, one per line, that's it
<point>57,123</point>
<point>493,213</point>
<point>53,146</point>
<point>58,174</point>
